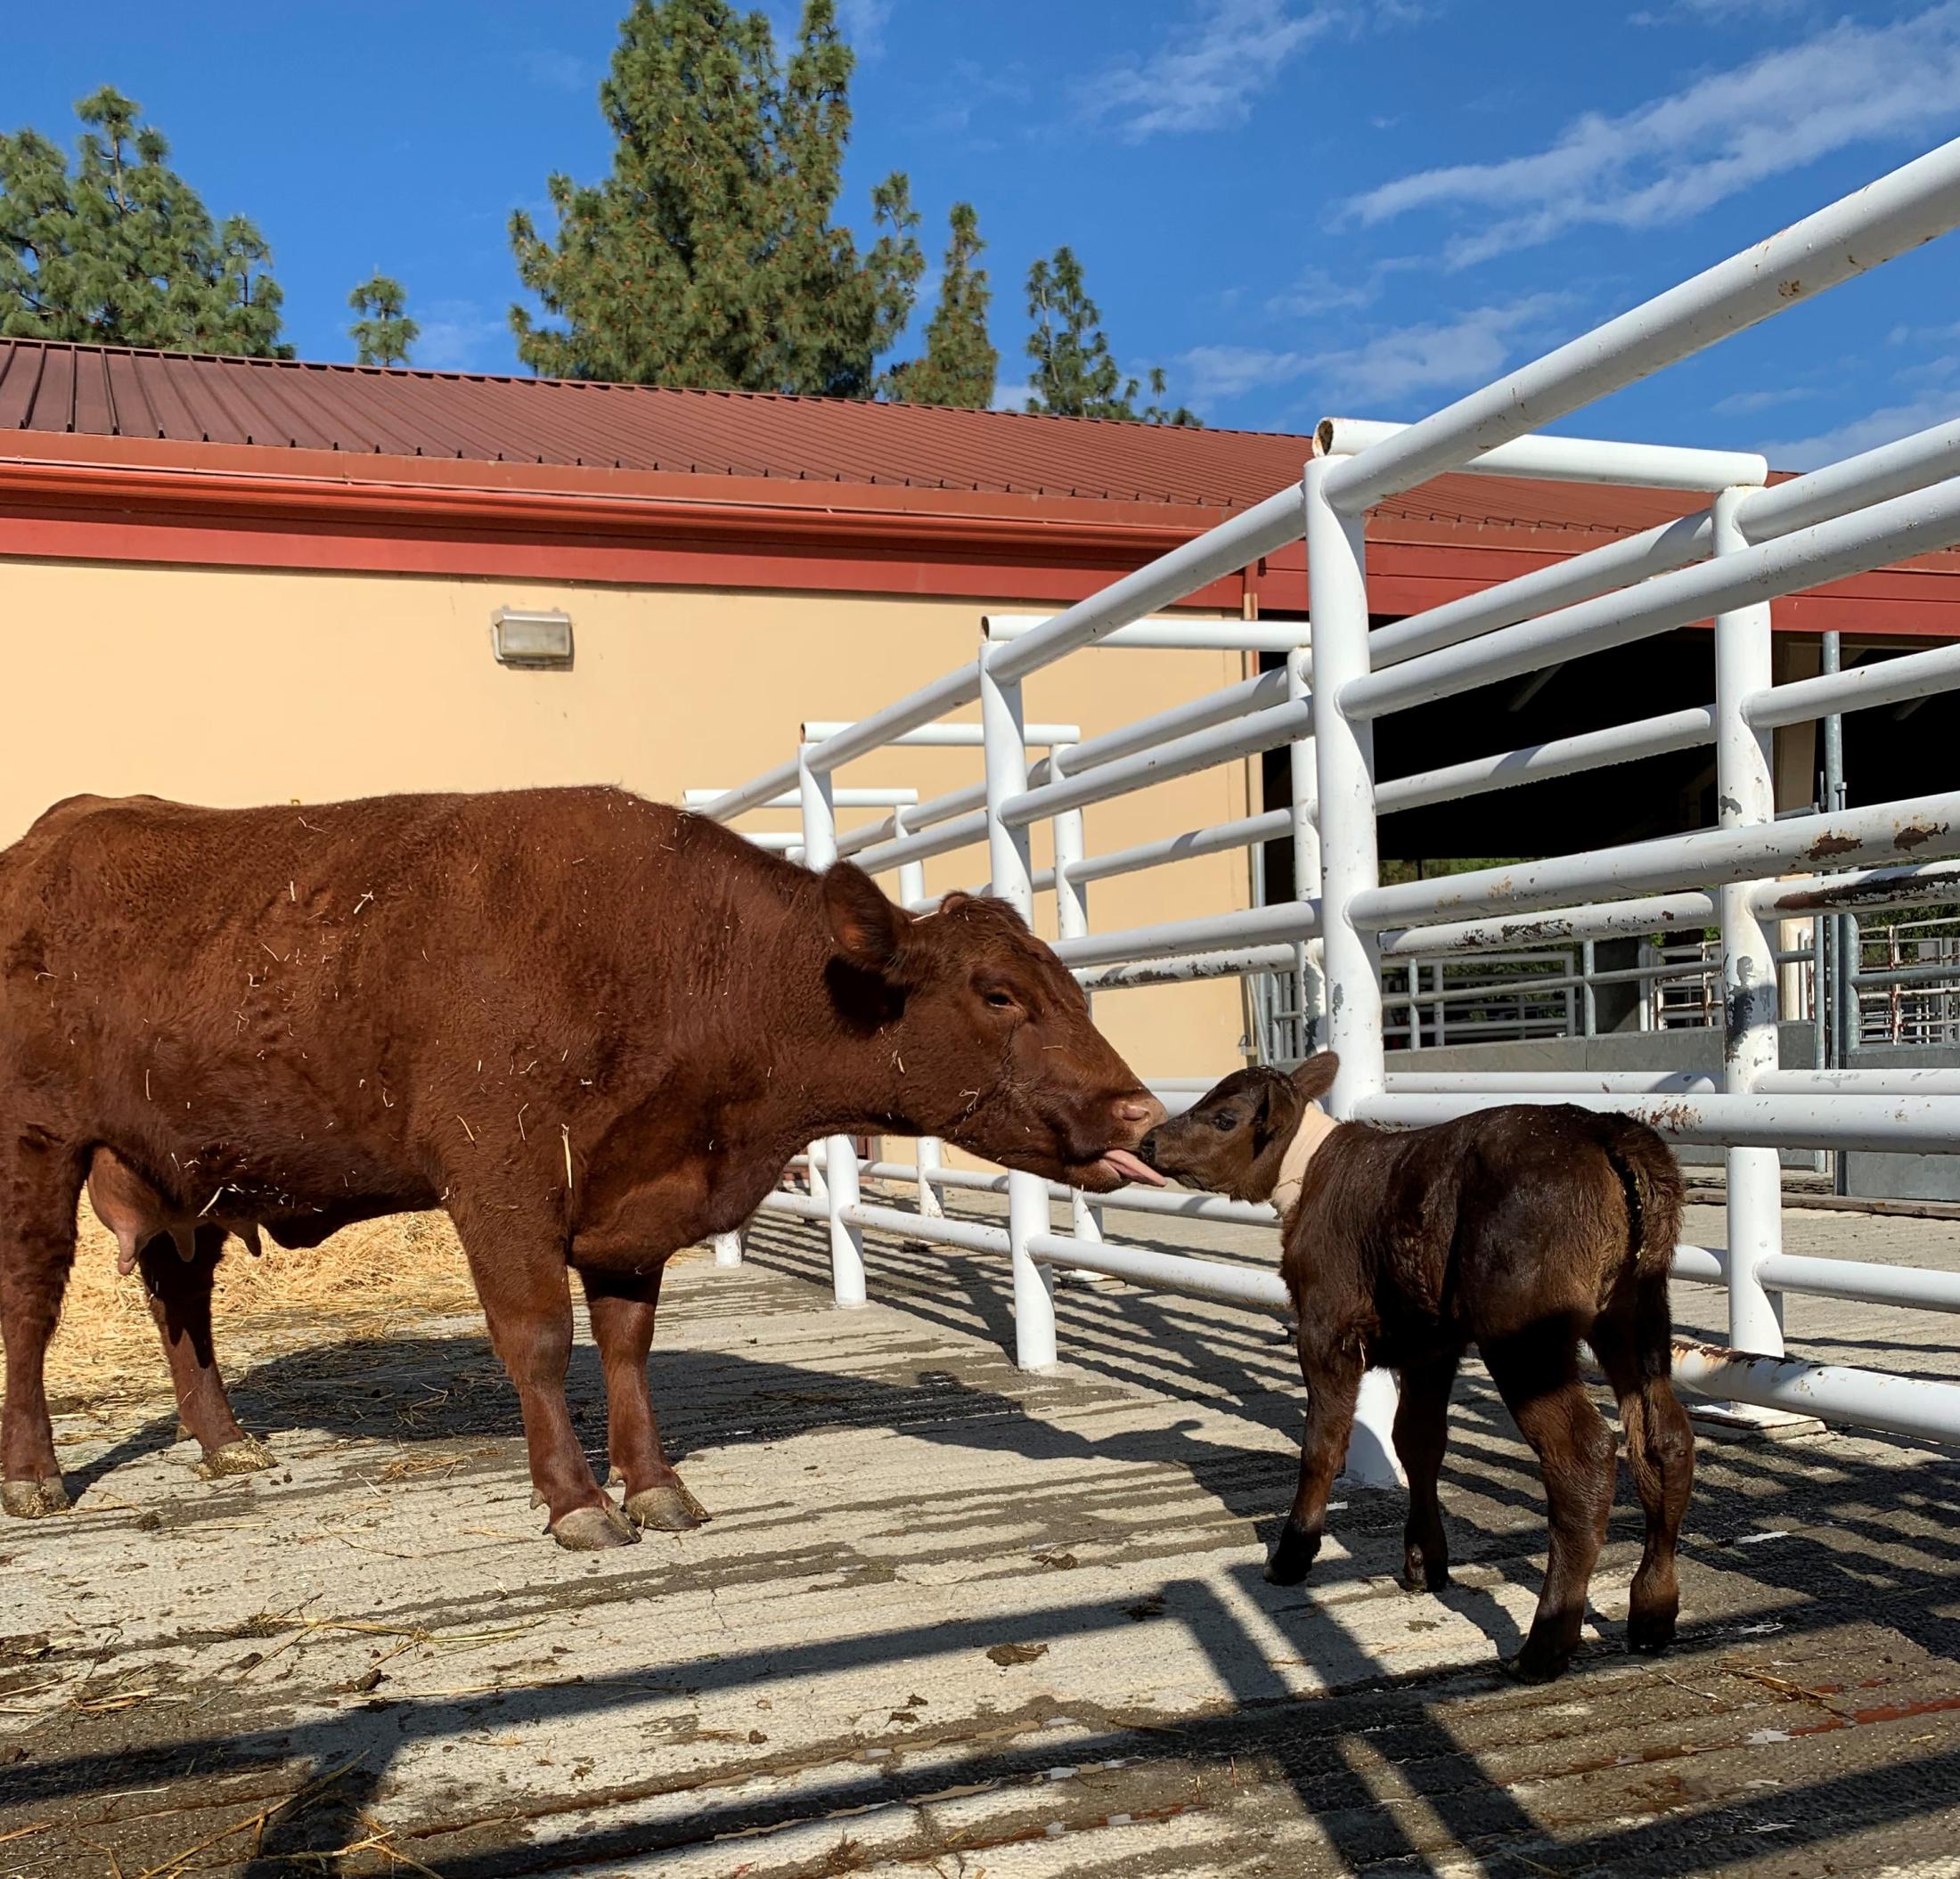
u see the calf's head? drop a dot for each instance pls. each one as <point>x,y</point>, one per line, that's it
<point>1248,1136</point>
<point>990,1034</point>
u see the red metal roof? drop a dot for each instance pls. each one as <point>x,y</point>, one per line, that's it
<point>376,411</point>
<point>115,454</point>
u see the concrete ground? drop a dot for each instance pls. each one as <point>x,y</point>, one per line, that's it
<point>954,1620</point>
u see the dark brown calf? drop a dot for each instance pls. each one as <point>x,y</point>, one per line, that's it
<point>1521,1230</point>
<point>593,1028</point>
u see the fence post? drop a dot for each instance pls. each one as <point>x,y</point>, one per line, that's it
<point>1344,763</point>
<point>1838,958</point>
<point>911,886</point>
<point>1745,796</point>
<point>1003,744</point>
<point>1072,922</point>
<point>840,1164</point>
<point>728,1248</point>
<point>1308,986</point>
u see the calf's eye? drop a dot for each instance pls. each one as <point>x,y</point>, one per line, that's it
<point>1224,1124</point>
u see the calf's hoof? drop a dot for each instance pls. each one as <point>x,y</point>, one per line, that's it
<point>668,1507</point>
<point>1649,1633</point>
<point>1287,1562</point>
<point>594,1530</point>
<point>34,1500</point>
<point>245,1455</point>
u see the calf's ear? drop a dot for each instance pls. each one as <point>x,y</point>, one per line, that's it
<point>1315,1077</point>
<point>865,927</point>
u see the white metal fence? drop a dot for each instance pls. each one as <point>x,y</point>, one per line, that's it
<point>1724,562</point>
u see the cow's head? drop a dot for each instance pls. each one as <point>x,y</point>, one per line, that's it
<point>992,1035</point>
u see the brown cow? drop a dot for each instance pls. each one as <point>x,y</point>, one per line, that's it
<point>591,1027</point>
<point>1521,1230</point>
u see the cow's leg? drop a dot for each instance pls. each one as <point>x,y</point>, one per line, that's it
<point>180,1302</point>
<point>1536,1374</point>
<point>1421,1431</point>
<point>1333,1374</point>
<point>40,1183</point>
<point>518,1265</point>
<point>621,1307</point>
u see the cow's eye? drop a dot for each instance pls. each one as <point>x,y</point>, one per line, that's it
<point>1001,1001</point>
<point>1225,1123</point>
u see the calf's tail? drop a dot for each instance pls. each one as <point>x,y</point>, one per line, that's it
<point>1652,1179</point>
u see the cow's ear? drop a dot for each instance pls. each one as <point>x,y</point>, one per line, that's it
<point>1315,1077</point>
<point>866,928</point>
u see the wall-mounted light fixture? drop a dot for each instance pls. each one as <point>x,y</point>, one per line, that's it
<point>532,641</point>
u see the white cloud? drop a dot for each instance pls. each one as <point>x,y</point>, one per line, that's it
<point>864,22</point>
<point>1209,373</point>
<point>1447,354</point>
<point>459,336</point>
<point>1867,432</point>
<point>1207,77</point>
<point>1740,403</point>
<point>1011,394</point>
<point>1441,355</point>
<point>1679,155</point>
<point>1317,291</point>
<point>560,71</point>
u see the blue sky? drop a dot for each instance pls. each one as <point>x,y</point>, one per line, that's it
<point>1295,207</point>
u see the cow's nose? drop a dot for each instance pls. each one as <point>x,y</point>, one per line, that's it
<point>1141,1107</point>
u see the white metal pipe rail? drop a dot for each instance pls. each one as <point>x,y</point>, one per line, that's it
<point>1558,756</point>
<point>942,736</point>
<point>1751,543</point>
<point>1569,460</point>
<point>1916,523</point>
<point>1888,682</point>
<point>1220,838</point>
<point>1856,835</point>
<point>1928,456</point>
<point>1161,763</point>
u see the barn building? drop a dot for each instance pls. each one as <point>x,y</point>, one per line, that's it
<point>236,581</point>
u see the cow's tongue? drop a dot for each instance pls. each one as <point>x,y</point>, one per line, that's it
<point>1127,1165</point>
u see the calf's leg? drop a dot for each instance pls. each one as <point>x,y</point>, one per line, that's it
<point>1536,1374</point>
<point>180,1302</point>
<point>521,1277</point>
<point>1421,1430</point>
<point>621,1307</point>
<point>40,1183</point>
<point>1333,1380</point>
<point>1632,1341</point>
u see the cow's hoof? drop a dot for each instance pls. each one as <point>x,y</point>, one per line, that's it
<point>1529,1666</point>
<point>34,1500</point>
<point>594,1530</point>
<point>1649,1633</point>
<point>1291,1556</point>
<point>668,1507</point>
<point>1418,1575</point>
<point>246,1456</point>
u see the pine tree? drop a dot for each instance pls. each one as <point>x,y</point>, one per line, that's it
<point>708,257</point>
<point>384,332</point>
<point>123,252</point>
<point>960,363</point>
<point>1075,374</point>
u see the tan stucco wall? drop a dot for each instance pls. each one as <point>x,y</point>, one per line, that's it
<point>237,687</point>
